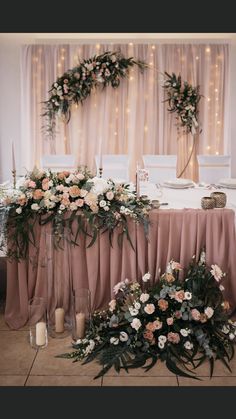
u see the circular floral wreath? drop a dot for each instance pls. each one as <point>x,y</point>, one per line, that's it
<point>75,85</point>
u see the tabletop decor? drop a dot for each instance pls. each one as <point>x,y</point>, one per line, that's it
<point>95,204</point>
<point>208,202</point>
<point>220,199</point>
<point>181,322</point>
<point>75,85</point>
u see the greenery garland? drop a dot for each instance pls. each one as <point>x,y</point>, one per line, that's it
<point>183,99</point>
<point>75,85</point>
<point>181,322</point>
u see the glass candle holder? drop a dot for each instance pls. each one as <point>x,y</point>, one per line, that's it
<point>38,323</point>
<point>59,305</point>
<point>82,312</point>
<point>220,199</point>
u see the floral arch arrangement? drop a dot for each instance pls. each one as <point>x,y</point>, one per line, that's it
<point>75,85</point>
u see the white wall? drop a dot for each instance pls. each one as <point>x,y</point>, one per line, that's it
<point>10,111</point>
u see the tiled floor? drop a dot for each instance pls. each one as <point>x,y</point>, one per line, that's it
<point>20,365</point>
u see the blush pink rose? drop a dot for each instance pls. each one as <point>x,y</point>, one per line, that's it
<point>38,194</point>
<point>45,184</point>
<point>74,191</point>
<point>179,296</point>
<point>178,314</point>
<point>32,184</point>
<point>170,321</point>
<point>196,315</point>
<point>163,304</point>
<point>79,202</point>
<point>173,337</point>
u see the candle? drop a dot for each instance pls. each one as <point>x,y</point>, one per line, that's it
<point>59,320</point>
<point>80,325</point>
<point>41,333</point>
<point>137,181</point>
<point>13,158</point>
<point>100,152</point>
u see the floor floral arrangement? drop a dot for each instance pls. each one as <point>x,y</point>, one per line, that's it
<point>74,201</point>
<point>181,322</point>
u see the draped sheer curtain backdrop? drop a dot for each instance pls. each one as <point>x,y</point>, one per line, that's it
<point>131,119</point>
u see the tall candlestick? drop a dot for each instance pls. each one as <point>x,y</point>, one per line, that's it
<point>80,325</point>
<point>59,320</point>
<point>13,158</point>
<point>137,181</point>
<point>100,153</point>
<point>40,334</point>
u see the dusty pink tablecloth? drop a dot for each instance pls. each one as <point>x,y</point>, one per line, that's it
<point>173,234</point>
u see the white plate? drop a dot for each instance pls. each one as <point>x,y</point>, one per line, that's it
<point>179,182</point>
<point>226,186</point>
<point>231,182</point>
<point>178,186</point>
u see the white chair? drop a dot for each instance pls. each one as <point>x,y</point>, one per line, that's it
<point>160,167</point>
<point>58,162</point>
<point>115,166</point>
<point>213,167</point>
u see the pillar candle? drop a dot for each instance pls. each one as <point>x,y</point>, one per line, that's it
<point>80,325</point>
<point>59,320</point>
<point>40,333</point>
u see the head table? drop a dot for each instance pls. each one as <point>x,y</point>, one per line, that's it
<point>177,233</point>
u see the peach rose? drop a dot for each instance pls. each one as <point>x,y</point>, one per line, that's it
<point>196,315</point>
<point>173,337</point>
<point>74,191</point>
<point>21,200</point>
<point>61,175</point>
<point>38,194</point>
<point>163,304</point>
<point>169,277</point>
<point>150,326</point>
<point>65,201</point>
<point>203,318</point>
<point>149,336</point>
<point>179,296</point>
<point>45,184</point>
<point>157,324</point>
<point>170,321</point>
<point>79,202</point>
<point>226,305</point>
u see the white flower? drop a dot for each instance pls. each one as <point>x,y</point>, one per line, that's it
<point>169,269</point>
<point>137,305</point>
<point>209,312</point>
<point>83,193</point>
<point>225,330</point>
<point>114,340</point>
<point>149,308</point>
<point>112,305</point>
<point>162,338</point>
<point>100,185</point>
<point>184,332</point>
<point>119,287</point>
<point>102,203</point>
<point>188,345</point>
<point>133,311</point>
<point>35,207</point>
<point>161,344</point>
<point>19,210</point>
<point>144,297</point>
<point>216,272</point>
<point>221,287</point>
<point>106,208</point>
<point>136,324</point>
<point>62,207</point>
<point>231,336</point>
<point>123,336</point>
<point>146,277</point>
<point>187,295</point>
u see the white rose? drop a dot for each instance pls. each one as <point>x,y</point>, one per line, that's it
<point>83,193</point>
<point>62,207</point>
<point>100,185</point>
<point>19,210</point>
<point>144,297</point>
<point>188,345</point>
<point>136,324</point>
<point>123,337</point>
<point>231,336</point>
<point>133,311</point>
<point>137,305</point>
<point>106,208</point>
<point>209,312</point>
<point>102,203</point>
<point>114,341</point>
<point>184,332</point>
<point>221,287</point>
<point>149,308</point>
<point>187,295</point>
<point>112,305</point>
<point>35,207</point>
<point>146,277</point>
<point>162,338</point>
<point>161,344</point>
<point>73,206</point>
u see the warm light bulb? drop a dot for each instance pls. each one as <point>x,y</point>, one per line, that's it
<point>98,46</point>
<point>208,147</point>
<point>145,128</point>
<point>208,99</point>
<point>59,65</point>
<point>216,90</point>
<point>153,47</point>
<point>131,44</point>
<point>218,122</point>
<point>115,133</point>
<point>197,58</point>
<point>117,109</point>
<point>208,49</point>
<point>217,153</point>
<point>62,57</point>
<point>131,78</point>
<point>127,110</point>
